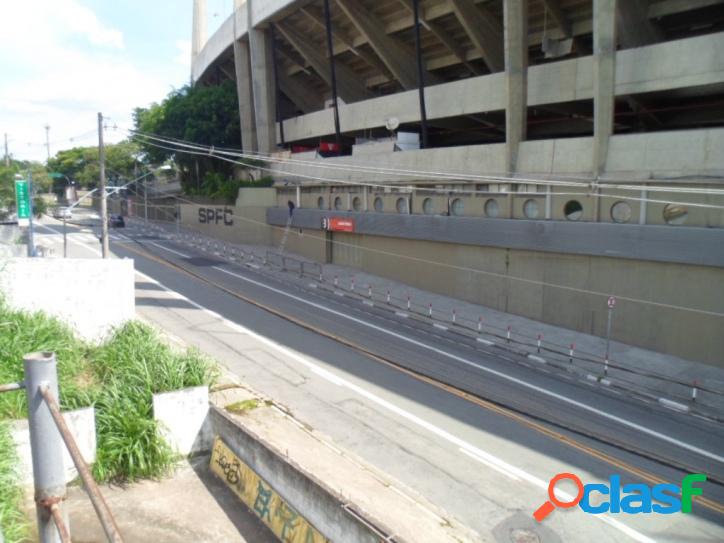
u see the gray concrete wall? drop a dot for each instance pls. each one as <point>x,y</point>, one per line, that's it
<point>318,504</point>
<point>91,295</point>
<point>484,275</point>
<point>239,224</point>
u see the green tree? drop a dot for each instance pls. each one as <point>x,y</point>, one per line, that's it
<point>204,115</point>
<point>81,164</point>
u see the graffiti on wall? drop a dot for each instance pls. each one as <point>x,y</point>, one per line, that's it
<point>216,215</point>
<point>288,525</point>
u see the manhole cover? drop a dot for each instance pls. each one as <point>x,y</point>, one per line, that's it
<point>523,536</point>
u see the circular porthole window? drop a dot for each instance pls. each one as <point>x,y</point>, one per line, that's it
<point>338,203</point>
<point>357,203</point>
<point>531,209</point>
<point>491,208</point>
<point>573,210</point>
<point>379,205</point>
<point>621,212</point>
<point>401,205</point>
<point>428,208</point>
<point>675,214</point>
<point>457,207</point>
<point>320,202</point>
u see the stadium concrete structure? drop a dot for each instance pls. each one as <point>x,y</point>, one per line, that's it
<point>625,99</point>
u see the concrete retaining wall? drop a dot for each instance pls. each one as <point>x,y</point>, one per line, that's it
<point>230,223</point>
<point>92,296</point>
<point>482,275</point>
<point>305,494</point>
<point>82,423</point>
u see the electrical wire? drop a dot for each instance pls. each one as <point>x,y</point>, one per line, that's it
<point>210,151</point>
<point>591,184</point>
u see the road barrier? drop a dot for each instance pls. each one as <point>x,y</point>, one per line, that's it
<point>48,432</point>
<point>565,357</point>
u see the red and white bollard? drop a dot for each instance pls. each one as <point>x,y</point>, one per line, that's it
<point>353,284</point>
<point>454,317</point>
<point>388,296</point>
<point>408,302</point>
<point>369,291</point>
<point>480,324</point>
<point>693,392</point>
<point>508,334</point>
<point>540,336</point>
<point>336,280</point>
<point>570,353</point>
<point>429,310</point>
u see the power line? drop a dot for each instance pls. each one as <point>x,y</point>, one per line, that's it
<point>214,153</point>
<point>212,150</point>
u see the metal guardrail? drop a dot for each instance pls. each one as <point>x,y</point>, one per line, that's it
<point>48,432</point>
<point>566,357</point>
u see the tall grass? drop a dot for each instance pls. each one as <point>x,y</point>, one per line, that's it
<point>13,524</point>
<point>118,377</point>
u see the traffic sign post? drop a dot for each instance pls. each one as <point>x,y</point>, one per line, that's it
<point>22,201</point>
<point>611,304</point>
<point>24,207</point>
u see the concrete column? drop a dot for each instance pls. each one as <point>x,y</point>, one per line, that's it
<point>262,82</point>
<point>198,33</point>
<point>604,74</point>
<point>246,96</point>
<point>516,78</point>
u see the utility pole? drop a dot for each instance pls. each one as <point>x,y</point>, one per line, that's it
<point>104,202</point>
<point>47,139</point>
<point>7,155</point>
<point>31,230</point>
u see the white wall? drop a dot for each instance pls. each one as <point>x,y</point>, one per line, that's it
<point>91,295</point>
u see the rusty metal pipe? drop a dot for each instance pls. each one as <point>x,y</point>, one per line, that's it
<point>94,493</point>
<point>60,523</point>
<point>10,387</point>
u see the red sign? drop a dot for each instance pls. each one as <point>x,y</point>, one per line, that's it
<point>338,224</point>
<point>611,302</point>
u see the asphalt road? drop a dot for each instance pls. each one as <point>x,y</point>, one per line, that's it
<point>536,426</point>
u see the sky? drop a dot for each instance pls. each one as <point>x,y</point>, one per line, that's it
<point>63,61</point>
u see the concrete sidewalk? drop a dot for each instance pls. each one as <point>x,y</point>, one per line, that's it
<point>672,382</point>
<point>162,511</point>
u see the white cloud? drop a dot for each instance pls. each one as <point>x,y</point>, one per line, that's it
<point>61,65</point>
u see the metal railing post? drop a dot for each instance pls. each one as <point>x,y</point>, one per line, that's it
<point>46,444</point>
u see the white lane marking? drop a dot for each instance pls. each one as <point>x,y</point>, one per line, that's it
<point>169,250</point>
<point>484,341</point>
<point>492,465</point>
<point>440,327</point>
<point>403,315</point>
<point>497,373</point>
<point>470,449</point>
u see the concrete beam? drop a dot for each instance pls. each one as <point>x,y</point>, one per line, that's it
<point>395,56</point>
<point>444,36</point>
<point>199,29</point>
<point>484,30</point>
<point>604,79</point>
<point>300,95</point>
<point>554,8</point>
<point>634,27</point>
<point>262,82</point>
<point>316,16</point>
<point>349,85</point>
<point>516,77</point>
<point>245,92</point>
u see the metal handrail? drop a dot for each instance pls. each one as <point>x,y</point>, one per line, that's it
<point>94,493</point>
<point>44,419</point>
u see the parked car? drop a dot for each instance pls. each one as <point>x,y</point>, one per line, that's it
<point>116,221</point>
<point>62,213</point>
